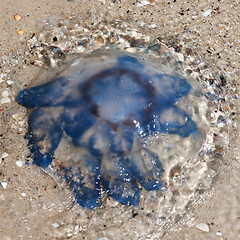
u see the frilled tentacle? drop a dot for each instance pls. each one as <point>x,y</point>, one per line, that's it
<point>119,181</point>
<point>169,89</point>
<point>76,123</point>
<point>147,168</point>
<point>43,136</point>
<point>60,92</point>
<point>120,174</point>
<point>84,180</point>
<point>172,120</point>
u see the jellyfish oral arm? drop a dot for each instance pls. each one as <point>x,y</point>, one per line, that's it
<point>43,136</point>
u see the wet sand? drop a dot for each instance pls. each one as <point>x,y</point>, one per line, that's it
<point>32,206</point>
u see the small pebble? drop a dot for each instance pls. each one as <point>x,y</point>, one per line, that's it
<point>111,202</point>
<point>20,32</point>
<point>2,197</point>
<point>9,82</point>
<point>4,155</point>
<point>5,94</point>
<point>221,125</point>
<point>55,225</point>
<point>142,24</point>
<point>153,26</point>
<point>180,57</point>
<point>5,100</point>
<point>143,3</point>
<point>17,17</point>
<point>203,227</point>
<point>218,233</point>
<point>4,184</point>
<point>21,123</point>
<point>24,194</point>
<point>19,163</point>
<point>16,116</point>
<point>207,13</point>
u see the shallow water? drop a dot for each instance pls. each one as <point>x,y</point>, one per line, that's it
<point>179,208</point>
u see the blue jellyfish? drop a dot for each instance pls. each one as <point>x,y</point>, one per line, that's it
<point>108,105</point>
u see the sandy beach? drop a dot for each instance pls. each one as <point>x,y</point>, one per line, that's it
<point>33,205</point>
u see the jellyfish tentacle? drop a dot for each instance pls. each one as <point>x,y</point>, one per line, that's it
<point>172,120</point>
<point>119,181</point>
<point>43,136</point>
<point>170,88</point>
<point>121,141</point>
<point>60,92</point>
<point>76,122</point>
<point>147,168</point>
<point>84,180</point>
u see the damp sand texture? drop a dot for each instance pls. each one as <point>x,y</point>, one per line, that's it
<point>33,206</point>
